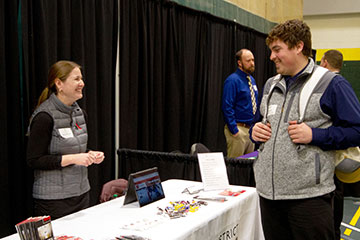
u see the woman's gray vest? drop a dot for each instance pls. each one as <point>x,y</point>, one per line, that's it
<point>285,170</point>
<point>69,136</point>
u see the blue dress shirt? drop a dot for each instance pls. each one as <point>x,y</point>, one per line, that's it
<point>236,100</point>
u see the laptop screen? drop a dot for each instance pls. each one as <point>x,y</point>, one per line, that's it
<point>147,185</point>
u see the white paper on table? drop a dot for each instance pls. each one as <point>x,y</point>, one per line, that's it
<point>213,171</point>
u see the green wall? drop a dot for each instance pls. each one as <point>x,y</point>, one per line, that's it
<point>351,65</point>
<point>229,11</point>
<point>351,71</point>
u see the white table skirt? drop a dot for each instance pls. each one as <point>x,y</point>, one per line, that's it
<point>237,218</point>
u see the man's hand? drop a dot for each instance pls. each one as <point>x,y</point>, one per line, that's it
<point>299,133</point>
<point>261,132</point>
<point>236,134</point>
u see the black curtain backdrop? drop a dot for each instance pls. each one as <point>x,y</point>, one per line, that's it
<point>181,166</point>
<point>84,31</point>
<point>11,144</point>
<point>173,62</point>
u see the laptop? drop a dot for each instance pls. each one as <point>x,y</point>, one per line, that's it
<point>144,187</point>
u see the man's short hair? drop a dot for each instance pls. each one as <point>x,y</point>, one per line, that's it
<point>291,33</point>
<point>239,54</point>
<point>334,58</point>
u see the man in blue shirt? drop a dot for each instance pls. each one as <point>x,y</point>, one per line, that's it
<point>295,167</point>
<point>239,103</point>
<point>333,60</point>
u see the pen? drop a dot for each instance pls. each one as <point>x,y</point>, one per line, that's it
<point>131,237</point>
<point>219,199</point>
<point>124,238</point>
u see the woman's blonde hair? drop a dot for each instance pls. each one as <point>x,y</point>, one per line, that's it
<point>60,70</point>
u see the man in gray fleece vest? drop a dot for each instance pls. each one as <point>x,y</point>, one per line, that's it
<point>295,167</point>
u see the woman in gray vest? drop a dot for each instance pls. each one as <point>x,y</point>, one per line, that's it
<point>57,146</point>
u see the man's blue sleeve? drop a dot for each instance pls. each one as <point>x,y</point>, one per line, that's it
<point>340,102</point>
<point>228,105</point>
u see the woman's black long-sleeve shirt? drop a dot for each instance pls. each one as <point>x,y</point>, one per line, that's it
<point>37,155</point>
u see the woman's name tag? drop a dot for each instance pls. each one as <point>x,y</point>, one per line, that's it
<point>66,132</point>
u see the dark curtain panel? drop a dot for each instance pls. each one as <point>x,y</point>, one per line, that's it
<point>12,167</point>
<point>84,31</point>
<point>181,166</point>
<point>173,62</point>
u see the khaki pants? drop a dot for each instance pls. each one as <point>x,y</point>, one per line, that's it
<point>239,145</point>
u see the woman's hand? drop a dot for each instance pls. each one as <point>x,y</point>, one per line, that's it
<point>98,156</point>
<point>82,159</point>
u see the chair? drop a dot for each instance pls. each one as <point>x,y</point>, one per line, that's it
<point>113,189</point>
<point>198,148</point>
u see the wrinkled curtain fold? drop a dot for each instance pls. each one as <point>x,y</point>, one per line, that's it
<point>33,36</point>
<point>85,32</point>
<point>173,62</point>
<point>180,166</point>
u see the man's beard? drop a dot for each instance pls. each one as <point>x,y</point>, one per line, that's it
<point>249,70</point>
